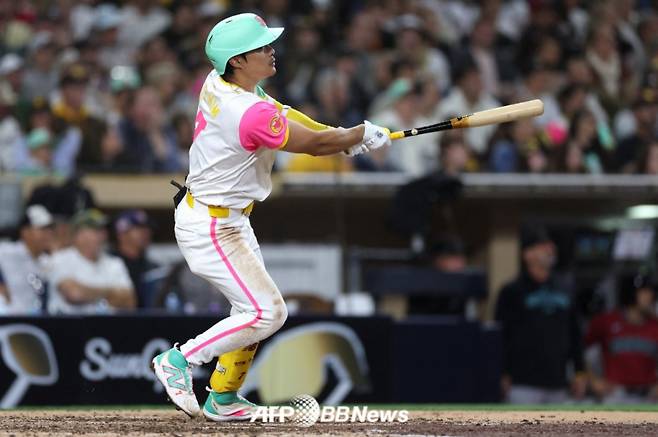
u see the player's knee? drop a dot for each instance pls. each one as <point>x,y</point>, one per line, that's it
<point>274,315</point>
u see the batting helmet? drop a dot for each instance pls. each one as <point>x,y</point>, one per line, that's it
<point>236,35</point>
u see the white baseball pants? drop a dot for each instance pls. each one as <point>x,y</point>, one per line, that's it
<point>225,252</point>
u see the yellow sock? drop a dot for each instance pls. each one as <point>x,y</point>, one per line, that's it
<point>231,369</point>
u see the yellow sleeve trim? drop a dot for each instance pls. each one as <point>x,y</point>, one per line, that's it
<point>305,120</point>
<point>285,138</point>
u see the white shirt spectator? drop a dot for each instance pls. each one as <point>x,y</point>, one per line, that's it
<point>107,271</point>
<point>137,28</point>
<point>455,104</point>
<point>24,278</point>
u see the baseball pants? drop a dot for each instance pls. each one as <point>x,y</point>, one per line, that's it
<point>225,252</point>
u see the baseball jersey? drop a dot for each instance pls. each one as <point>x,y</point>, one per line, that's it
<point>630,352</point>
<point>236,135</point>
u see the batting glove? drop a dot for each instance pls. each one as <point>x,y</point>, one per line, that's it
<point>375,136</point>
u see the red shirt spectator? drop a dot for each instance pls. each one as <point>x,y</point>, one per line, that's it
<point>629,349</point>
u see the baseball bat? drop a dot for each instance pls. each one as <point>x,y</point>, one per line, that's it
<point>502,114</point>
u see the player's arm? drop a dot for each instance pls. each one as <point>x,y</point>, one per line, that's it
<point>263,125</point>
<point>76,293</point>
<point>325,142</point>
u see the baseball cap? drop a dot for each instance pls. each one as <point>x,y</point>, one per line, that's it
<point>38,137</point>
<point>10,63</point>
<point>123,77</point>
<point>37,216</point>
<point>533,235</point>
<point>89,218</point>
<point>108,17</point>
<point>130,219</point>
<point>75,73</point>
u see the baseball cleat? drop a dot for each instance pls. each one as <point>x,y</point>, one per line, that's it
<point>227,406</point>
<point>173,371</point>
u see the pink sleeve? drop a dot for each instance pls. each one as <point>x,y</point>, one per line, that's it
<point>262,125</point>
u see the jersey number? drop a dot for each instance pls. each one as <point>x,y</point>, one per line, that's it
<point>199,124</point>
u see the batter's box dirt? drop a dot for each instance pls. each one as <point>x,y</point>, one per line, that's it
<point>421,423</point>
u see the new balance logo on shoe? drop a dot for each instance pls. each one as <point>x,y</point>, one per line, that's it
<point>176,378</point>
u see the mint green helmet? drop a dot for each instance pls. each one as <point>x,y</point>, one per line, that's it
<point>236,35</point>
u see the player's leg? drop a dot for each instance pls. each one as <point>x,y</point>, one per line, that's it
<point>223,402</point>
<point>223,256</point>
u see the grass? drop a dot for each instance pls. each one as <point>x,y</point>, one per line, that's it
<point>411,407</point>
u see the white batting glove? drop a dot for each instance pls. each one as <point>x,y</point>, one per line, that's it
<point>356,149</point>
<point>375,136</point>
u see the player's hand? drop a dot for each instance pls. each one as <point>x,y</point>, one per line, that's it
<point>356,149</point>
<point>375,136</point>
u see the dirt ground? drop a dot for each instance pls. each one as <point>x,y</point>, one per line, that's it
<point>421,423</point>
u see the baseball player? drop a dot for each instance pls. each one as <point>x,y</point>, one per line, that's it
<point>238,130</point>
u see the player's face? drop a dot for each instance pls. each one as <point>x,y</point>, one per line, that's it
<point>261,62</point>
<point>645,300</point>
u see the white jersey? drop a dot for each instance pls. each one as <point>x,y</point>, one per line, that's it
<point>236,136</point>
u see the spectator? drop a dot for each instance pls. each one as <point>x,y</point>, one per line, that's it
<point>149,143</point>
<point>645,116</point>
<point>583,134</point>
<point>505,153</point>
<point>468,97</point>
<point>404,113</point>
<point>628,338</point>
<point>24,262</point>
<point>70,110</point>
<point>141,20</point>
<point>10,130</point>
<point>455,155</point>
<point>133,237</point>
<point>40,78</point>
<point>86,280</point>
<point>540,328</point>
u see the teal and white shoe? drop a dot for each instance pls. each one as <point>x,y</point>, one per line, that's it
<point>227,406</point>
<point>174,372</point>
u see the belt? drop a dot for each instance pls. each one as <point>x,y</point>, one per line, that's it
<point>218,211</point>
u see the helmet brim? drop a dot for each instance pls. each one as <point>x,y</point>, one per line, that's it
<point>269,37</point>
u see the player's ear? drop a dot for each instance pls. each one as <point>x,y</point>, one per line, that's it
<point>235,62</point>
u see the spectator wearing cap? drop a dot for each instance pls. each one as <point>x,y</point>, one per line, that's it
<point>70,110</point>
<point>540,328</point>
<point>628,342</point>
<point>39,160</point>
<point>404,100</point>
<point>86,280</point>
<point>133,237</point>
<point>24,263</point>
<point>40,78</point>
<point>105,29</point>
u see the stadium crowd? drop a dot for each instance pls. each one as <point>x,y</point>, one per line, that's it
<point>111,86</point>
